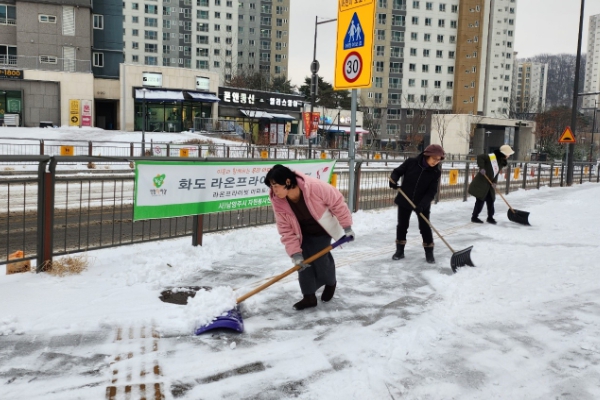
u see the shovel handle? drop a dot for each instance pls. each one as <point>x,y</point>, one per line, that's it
<point>496,190</point>
<point>422,216</point>
<point>344,239</point>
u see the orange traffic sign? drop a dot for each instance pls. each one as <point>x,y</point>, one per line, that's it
<point>567,136</point>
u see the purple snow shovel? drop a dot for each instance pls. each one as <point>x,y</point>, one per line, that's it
<point>459,258</point>
<point>233,318</point>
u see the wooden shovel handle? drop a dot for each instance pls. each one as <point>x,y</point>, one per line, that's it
<point>295,268</point>
<point>422,216</point>
<point>496,190</point>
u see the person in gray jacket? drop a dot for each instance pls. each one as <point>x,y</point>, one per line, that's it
<point>490,165</point>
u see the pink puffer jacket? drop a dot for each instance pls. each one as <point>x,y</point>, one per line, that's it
<point>326,205</point>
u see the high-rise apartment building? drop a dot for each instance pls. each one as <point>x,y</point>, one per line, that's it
<point>592,65</point>
<point>439,56</point>
<point>223,36</point>
<point>530,81</point>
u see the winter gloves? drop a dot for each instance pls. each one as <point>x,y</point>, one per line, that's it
<point>298,259</point>
<point>392,184</point>
<point>482,171</point>
<point>349,232</point>
<point>419,209</point>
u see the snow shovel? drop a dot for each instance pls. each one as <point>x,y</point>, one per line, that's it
<point>459,258</point>
<point>233,318</point>
<point>514,215</point>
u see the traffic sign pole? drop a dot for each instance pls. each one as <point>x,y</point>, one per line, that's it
<point>351,143</point>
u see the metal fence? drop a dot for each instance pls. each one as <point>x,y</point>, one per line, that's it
<point>46,63</point>
<point>53,206</point>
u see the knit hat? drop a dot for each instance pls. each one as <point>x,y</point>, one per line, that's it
<point>506,150</point>
<point>435,150</point>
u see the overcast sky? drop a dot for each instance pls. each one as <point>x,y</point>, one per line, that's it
<point>543,26</point>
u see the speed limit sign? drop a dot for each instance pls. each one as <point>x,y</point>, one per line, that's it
<point>352,67</point>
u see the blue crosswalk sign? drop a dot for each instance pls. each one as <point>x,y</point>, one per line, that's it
<point>355,37</point>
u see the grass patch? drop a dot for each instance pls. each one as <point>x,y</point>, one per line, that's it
<point>68,265</point>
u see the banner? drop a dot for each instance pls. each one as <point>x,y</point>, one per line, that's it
<point>314,126</point>
<point>86,113</point>
<point>166,189</point>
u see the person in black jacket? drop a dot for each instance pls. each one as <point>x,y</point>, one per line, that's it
<point>490,165</point>
<point>420,183</point>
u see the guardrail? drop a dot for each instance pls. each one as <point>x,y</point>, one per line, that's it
<point>61,207</point>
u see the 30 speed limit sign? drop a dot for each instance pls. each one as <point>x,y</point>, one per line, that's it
<point>352,66</point>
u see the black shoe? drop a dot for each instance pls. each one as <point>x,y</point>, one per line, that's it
<point>476,220</point>
<point>399,254</point>
<point>429,255</point>
<point>491,220</point>
<point>328,293</point>
<point>309,300</point>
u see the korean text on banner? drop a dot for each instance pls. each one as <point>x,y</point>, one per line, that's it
<point>166,189</point>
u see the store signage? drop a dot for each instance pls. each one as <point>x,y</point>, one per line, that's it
<point>202,83</point>
<point>11,74</point>
<point>86,113</point>
<point>234,96</point>
<point>74,117</point>
<point>152,79</point>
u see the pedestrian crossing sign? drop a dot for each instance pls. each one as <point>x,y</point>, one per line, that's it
<point>355,37</point>
<point>567,136</point>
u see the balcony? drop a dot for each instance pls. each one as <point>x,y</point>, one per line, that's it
<point>35,63</point>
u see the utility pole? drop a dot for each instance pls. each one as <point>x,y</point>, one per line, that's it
<point>571,151</point>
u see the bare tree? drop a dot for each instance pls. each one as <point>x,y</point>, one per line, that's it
<point>440,123</point>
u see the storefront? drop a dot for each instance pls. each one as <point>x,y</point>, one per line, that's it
<point>171,110</point>
<point>268,118</point>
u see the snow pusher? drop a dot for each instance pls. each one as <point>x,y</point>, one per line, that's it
<point>233,318</point>
<point>514,215</point>
<point>459,258</point>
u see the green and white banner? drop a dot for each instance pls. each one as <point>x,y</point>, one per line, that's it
<point>165,189</point>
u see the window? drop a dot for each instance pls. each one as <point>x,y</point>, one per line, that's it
<point>440,38</point>
<point>413,52</point>
<point>378,82</point>
<point>414,36</point>
<point>423,98</point>
<point>424,83</point>
<point>135,45</point>
<point>135,32</point>
<point>380,51</point>
<point>201,52</point>
<point>151,48</point>
<point>149,9</point>
<point>202,14</point>
<point>429,6</point>
<point>48,19</point>
<point>449,85</point>
<point>425,68</point>
<point>415,4</point>
<point>152,22</point>
<point>202,3</point>
<point>442,7</point>
<point>453,24</point>
<point>452,39</point>
<point>98,59</point>
<point>48,60</point>
<point>439,54</point>
<point>381,19</point>
<point>412,67</point>
<point>427,37</point>
<point>437,84</point>
<point>217,14</point>
<point>409,127</point>
<point>202,64</point>
<point>438,69</point>
<point>441,23</point>
<point>151,35</point>
<point>425,53</point>
<point>427,21</point>
<point>451,54</point>
<point>98,22</point>
<point>135,6</point>
<point>415,20</point>
<point>135,58</point>
<point>451,70</point>
<point>454,9</point>
<point>411,83</point>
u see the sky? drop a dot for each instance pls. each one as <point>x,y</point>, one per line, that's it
<point>543,26</point>
<point>523,324</point>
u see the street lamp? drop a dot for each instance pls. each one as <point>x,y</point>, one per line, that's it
<point>487,143</point>
<point>144,122</point>
<point>314,82</point>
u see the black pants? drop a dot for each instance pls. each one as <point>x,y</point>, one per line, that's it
<point>489,201</point>
<point>322,270</point>
<point>403,222</point>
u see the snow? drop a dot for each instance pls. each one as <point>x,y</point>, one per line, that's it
<point>523,324</point>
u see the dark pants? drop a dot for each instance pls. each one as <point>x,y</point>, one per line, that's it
<point>403,222</point>
<point>322,270</point>
<point>489,201</point>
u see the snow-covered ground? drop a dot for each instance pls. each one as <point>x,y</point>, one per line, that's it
<point>523,324</point>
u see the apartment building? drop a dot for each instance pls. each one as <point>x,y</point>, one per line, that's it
<point>445,56</point>
<point>530,81</point>
<point>222,36</point>
<point>45,60</point>
<point>592,65</point>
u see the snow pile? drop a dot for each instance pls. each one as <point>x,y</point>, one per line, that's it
<point>206,306</point>
<point>10,326</point>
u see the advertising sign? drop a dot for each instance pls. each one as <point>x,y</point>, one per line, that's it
<point>74,117</point>
<point>86,113</point>
<point>202,83</point>
<point>152,79</point>
<point>165,189</point>
<point>311,127</point>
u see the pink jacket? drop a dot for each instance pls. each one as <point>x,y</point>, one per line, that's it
<point>326,205</point>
